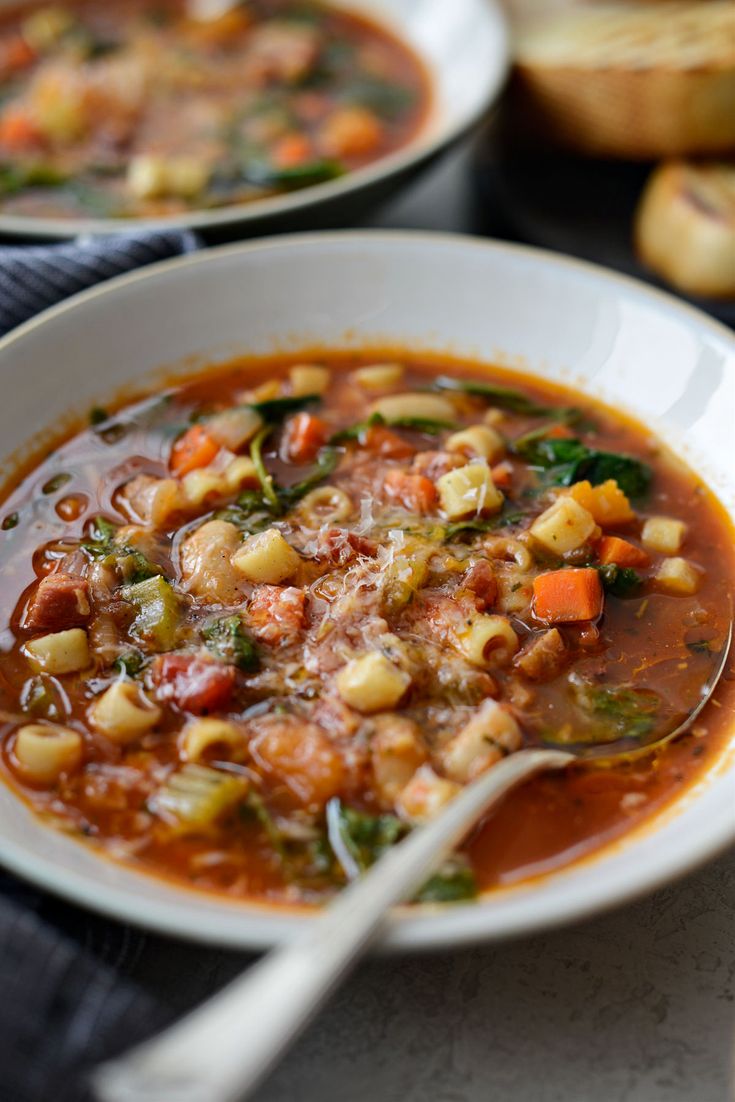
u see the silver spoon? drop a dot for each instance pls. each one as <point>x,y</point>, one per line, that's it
<point>222,1050</point>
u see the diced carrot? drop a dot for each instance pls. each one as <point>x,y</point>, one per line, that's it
<point>305,435</point>
<point>292,150</point>
<point>194,449</point>
<point>413,491</point>
<point>17,129</point>
<point>350,132</point>
<point>16,54</point>
<point>502,475</point>
<point>568,596</point>
<point>559,432</point>
<point>611,549</point>
<point>607,503</point>
<point>386,443</point>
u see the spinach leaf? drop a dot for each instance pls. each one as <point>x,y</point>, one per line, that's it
<point>227,639</point>
<point>479,524</point>
<point>427,425</point>
<point>359,839</point>
<point>130,562</point>
<point>502,396</point>
<point>384,98</point>
<point>265,478</point>
<point>279,499</point>
<point>569,461</point>
<point>617,712</point>
<point>620,581</point>
<point>130,663</point>
<point>326,462</point>
<point>15,178</point>
<point>262,174</point>
<point>273,410</point>
<point>455,881</point>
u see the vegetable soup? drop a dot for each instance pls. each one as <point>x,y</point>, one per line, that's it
<point>147,108</point>
<point>264,622</point>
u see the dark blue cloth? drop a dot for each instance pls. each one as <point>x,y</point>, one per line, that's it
<point>35,277</point>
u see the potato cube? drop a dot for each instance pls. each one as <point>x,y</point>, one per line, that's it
<point>378,376</point>
<point>123,713</point>
<point>607,503</point>
<point>201,484</point>
<point>469,491</point>
<point>266,558</point>
<point>42,752</point>
<point>59,653</point>
<point>480,440</point>
<point>678,577</point>
<point>425,795</point>
<point>308,379</point>
<point>663,534</point>
<point>372,683</point>
<point>233,428</point>
<point>147,176</point>
<point>564,526</point>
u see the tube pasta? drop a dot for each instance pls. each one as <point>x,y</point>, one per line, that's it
<point>326,505</point>
<point>43,752</point>
<point>490,641</point>
<point>490,734</point>
<point>123,713</point>
<point>378,376</point>
<point>508,549</point>
<point>479,440</point>
<point>202,734</point>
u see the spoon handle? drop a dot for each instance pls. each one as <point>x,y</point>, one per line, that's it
<point>223,1049</point>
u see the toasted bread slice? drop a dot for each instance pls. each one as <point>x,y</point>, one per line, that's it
<point>685,227</point>
<point>634,80</point>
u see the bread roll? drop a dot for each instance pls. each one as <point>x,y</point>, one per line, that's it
<point>633,80</point>
<point>685,227</point>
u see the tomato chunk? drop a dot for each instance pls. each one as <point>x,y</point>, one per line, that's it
<point>305,435</point>
<point>277,613</point>
<point>301,760</point>
<point>194,684</point>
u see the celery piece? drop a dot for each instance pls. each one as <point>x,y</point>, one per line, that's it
<point>157,612</point>
<point>196,795</point>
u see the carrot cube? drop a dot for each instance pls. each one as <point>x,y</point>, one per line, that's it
<point>568,596</point>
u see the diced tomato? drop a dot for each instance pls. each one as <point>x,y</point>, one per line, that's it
<point>305,435</point>
<point>276,614</point>
<point>302,761</point>
<point>17,129</point>
<point>412,491</point>
<point>568,596</point>
<point>292,150</point>
<point>194,449</point>
<point>194,684</point>
<point>612,549</point>
<point>389,444</point>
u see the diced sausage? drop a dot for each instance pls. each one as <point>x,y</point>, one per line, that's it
<point>339,546</point>
<point>480,580</point>
<point>61,601</point>
<point>194,684</point>
<point>544,657</point>
<point>276,613</point>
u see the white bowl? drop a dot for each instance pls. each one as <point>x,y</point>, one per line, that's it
<point>464,46</point>
<point>563,319</point>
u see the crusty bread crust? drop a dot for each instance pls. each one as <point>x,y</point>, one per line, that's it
<point>632,80</point>
<point>685,227</point>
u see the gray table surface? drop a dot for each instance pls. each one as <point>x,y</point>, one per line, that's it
<point>633,1006</point>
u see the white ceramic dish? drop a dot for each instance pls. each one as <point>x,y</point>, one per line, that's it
<point>560,318</point>
<point>464,45</point>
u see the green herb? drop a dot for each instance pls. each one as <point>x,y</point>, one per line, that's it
<point>40,697</point>
<point>274,410</point>
<point>700,646</point>
<point>131,563</point>
<point>54,484</point>
<point>620,711</point>
<point>502,396</point>
<point>227,639</point>
<point>131,663</point>
<point>15,178</point>
<point>570,461</point>
<point>10,521</point>
<point>620,581</point>
<point>427,425</point>
<point>98,415</point>
<point>264,476</point>
<point>279,499</point>
<point>359,839</point>
<point>262,174</point>
<point>488,524</point>
<point>454,882</point>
